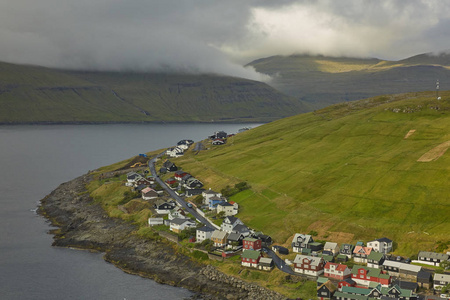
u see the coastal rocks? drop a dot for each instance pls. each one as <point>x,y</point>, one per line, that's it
<point>84,224</point>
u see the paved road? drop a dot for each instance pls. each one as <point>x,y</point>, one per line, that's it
<point>178,199</point>
<point>281,265</point>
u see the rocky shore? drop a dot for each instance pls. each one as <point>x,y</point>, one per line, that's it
<point>83,224</point>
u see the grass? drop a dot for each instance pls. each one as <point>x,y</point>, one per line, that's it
<point>343,169</point>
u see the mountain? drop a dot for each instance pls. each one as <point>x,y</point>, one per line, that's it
<point>33,94</point>
<point>358,170</point>
<point>320,81</point>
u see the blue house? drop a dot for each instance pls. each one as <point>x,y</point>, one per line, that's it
<point>213,201</point>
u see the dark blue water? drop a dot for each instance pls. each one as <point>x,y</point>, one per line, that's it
<point>36,159</point>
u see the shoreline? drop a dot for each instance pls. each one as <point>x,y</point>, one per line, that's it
<point>83,224</point>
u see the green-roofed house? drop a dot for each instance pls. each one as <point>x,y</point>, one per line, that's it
<point>364,276</point>
<point>250,258</point>
<point>375,260</point>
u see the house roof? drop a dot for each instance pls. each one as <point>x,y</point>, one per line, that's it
<point>384,240</point>
<point>433,255</point>
<point>330,245</point>
<point>442,277</point>
<point>224,203</point>
<point>402,266</point>
<point>338,267</point>
<point>349,280</point>
<point>252,254</point>
<point>234,236</point>
<point>374,255</point>
<point>250,239</point>
<point>306,238</point>
<point>219,234</point>
<point>350,296</point>
<point>241,228</point>
<point>361,249</point>
<point>205,229</point>
<point>330,286</point>
<point>265,260</point>
<point>210,192</point>
<point>424,274</point>
<point>355,290</point>
<point>147,189</point>
<point>180,221</point>
<point>372,272</point>
<point>314,261</point>
<point>230,220</point>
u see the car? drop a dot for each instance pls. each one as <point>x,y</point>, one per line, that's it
<point>189,205</point>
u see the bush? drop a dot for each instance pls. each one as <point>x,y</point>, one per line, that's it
<point>238,187</point>
<point>129,195</point>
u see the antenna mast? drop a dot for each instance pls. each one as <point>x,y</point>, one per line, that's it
<point>437,90</point>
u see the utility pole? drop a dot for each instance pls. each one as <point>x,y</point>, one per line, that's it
<point>437,90</point>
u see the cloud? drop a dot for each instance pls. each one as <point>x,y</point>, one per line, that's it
<point>206,36</point>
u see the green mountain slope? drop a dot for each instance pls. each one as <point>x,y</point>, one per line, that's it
<point>348,172</point>
<point>30,94</point>
<point>321,81</point>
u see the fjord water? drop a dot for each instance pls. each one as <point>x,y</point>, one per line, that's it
<point>34,160</point>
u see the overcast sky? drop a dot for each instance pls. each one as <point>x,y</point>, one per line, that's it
<point>214,36</point>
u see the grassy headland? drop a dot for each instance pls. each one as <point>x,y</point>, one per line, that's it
<point>347,172</point>
<point>31,94</point>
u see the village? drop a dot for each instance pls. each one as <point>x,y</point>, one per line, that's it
<point>186,210</point>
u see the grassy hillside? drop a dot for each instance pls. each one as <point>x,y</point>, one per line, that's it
<point>321,81</point>
<point>37,94</point>
<point>348,172</point>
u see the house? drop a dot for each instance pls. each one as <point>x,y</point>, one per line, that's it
<point>301,241</point>
<point>155,221</point>
<point>336,271</point>
<point>402,270</point>
<point>251,244</point>
<point>375,259</point>
<point>347,250</point>
<point>176,213</point>
<point>192,183</point>
<point>280,249</point>
<point>383,245</point>
<point>171,181</point>
<point>326,290</point>
<point>346,282</point>
<point>164,207</point>
<point>265,264</point>
<point>241,229</point>
<point>229,223</point>
<point>170,166</point>
<point>132,177</point>
<point>331,247</point>
<point>364,276</point>
<point>194,192</point>
<point>219,238</point>
<point>179,175</point>
<point>220,134</point>
<point>149,193</point>
<point>341,258</point>
<point>398,293</point>
<point>432,258</point>
<point>204,233</point>
<point>179,224</point>
<point>424,279</point>
<point>360,253</point>
<point>185,143</point>
<point>227,208</point>
<point>308,265</point>
<point>266,239</point>
<point>175,152</point>
<point>234,240</point>
<point>441,280</point>
<point>250,258</point>
<point>218,142</point>
<point>208,194</point>
<point>326,257</point>
<point>142,181</point>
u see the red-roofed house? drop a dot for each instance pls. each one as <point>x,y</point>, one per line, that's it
<point>337,271</point>
<point>360,253</point>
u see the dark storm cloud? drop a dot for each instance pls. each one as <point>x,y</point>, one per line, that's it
<point>212,36</point>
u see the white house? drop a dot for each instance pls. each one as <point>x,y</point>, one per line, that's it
<point>177,213</point>
<point>332,247</point>
<point>175,152</point>
<point>132,177</point>
<point>227,208</point>
<point>337,271</point>
<point>204,233</point>
<point>441,280</point>
<point>308,265</point>
<point>229,223</point>
<point>383,245</point>
<point>177,225</point>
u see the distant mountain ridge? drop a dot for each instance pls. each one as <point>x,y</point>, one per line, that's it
<point>33,94</point>
<point>320,81</point>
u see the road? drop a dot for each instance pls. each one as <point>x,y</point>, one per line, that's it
<point>178,199</point>
<point>281,265</point>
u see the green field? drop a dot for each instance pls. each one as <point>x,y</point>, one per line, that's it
<point>31,94</point>
<point>346,171</point>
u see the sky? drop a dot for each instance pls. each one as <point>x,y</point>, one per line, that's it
<point>210,36</point>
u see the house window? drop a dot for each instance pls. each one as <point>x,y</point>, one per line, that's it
<point>323,293</point>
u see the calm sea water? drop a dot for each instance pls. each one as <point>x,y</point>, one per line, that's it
<point>36,159</point>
